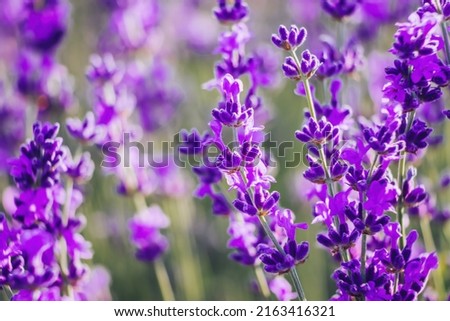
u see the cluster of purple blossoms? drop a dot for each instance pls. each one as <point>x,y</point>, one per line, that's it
<point>126,88</point>
<point>261,230</point>
<point>33,30</point>
<point>42,250</point>
<point>378,260</point>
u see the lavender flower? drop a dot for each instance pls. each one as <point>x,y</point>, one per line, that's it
<point>233,13</point>
<point>145,233</point>
<point>289,39</point>
<point>339,9</point>
<point>43,256</point>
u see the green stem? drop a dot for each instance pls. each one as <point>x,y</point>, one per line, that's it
<point>8,292</point>
<point>262,281</point>
<point>400,206</point>
<point>323,159</point>
<point>163,280</point>
<point>292,272</point>
<point>309,98</point>
<point>431,247</point>
<point>446,41</point>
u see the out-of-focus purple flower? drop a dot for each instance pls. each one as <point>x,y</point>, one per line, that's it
<point>208,175</point>
<point>81,169</point>
<point>43,79</point>
<point>416,38</point>
<point>263,66</point>
<point>157,97</point>
<point>231,13</point>
<point>289,39</point>
<point>44,23</point>
<point>86,130</point>
<point>339,9</point>
<point>193,142</point>
<point>282,289</point>
<point>445,180</point>
<point>102,68</point>
<point>96,286</point>
<point>12,112</point>
<point>130,26</point>
<point>145,229</point>
<point>244,237</point>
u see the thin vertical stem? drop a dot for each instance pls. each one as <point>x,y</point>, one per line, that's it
<point>400,179</point>
<point>446,41</point>
<point>163,280</point>
<point>400,206</point>
<point>262,281</point>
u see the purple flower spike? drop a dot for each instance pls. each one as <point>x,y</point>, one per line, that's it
<point>231,14</point>
<point>289,39</point>
<point>282,289</point>
<point>317,133</point>
<point>41,159</point>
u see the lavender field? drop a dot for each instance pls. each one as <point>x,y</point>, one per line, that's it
<point>224,150</point>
